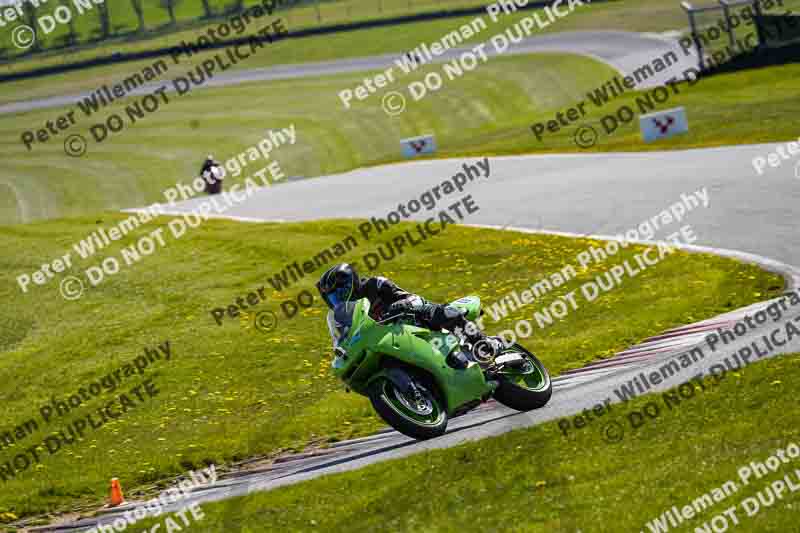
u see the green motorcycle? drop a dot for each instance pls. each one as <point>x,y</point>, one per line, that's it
<point>417,379</point>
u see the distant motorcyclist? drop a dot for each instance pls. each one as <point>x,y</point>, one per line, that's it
<point>212,174</point>
<point>341,283</point>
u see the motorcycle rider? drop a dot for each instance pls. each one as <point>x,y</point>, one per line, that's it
<point>341,283</point>
<point>211,172</point>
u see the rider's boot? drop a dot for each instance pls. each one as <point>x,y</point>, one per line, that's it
<point>485,349</point>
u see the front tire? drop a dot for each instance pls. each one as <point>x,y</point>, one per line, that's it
<point>419,418</point>
<point>527,388</point>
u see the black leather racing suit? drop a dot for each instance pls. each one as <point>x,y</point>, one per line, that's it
<point>382,293</point>
<point>213,186</point>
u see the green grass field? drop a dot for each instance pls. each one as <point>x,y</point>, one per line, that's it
<point>487,111</point>
<point>535,480</point>
<point>226,384</point>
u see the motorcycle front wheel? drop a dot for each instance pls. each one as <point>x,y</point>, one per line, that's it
<point>420,417</point>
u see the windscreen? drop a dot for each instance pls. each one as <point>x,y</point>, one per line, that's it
<point>339,321</point>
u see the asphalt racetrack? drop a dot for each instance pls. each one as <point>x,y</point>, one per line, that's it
<point>592,194</point>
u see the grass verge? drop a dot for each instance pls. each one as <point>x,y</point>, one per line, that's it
<point>225,384</point>
<point>536,480</point>
<point>744,107</point>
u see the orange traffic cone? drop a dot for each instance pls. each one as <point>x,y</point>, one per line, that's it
<point>116,493</point>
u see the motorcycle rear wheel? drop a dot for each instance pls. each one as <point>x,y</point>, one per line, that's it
<point>527,388</point>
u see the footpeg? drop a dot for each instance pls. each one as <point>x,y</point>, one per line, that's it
<point>485,350</point>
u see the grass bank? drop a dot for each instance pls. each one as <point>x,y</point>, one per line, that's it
<point>225,384</point>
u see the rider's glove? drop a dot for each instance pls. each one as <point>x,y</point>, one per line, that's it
<point>399,308</point>
<point>412,304</point>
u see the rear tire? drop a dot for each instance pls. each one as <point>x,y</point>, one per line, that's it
<point>424,419</point>
<point>525,392</point>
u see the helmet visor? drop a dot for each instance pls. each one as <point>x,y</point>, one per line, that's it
<point>337,296</point>
<point>332,300</point>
